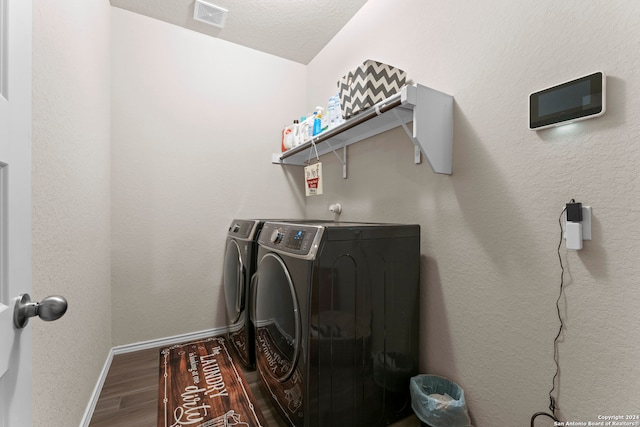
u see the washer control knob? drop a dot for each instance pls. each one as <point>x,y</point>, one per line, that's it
<point>276,236</point>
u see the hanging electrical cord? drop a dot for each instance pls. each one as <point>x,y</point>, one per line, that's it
<point>552,401</point>
<point>537,414</point>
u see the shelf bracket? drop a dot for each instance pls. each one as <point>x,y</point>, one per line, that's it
<point>342,160</point>
<point>433,127</point>
<point>417,156</point>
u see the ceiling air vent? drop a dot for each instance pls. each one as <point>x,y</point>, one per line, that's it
<point>209,13</point>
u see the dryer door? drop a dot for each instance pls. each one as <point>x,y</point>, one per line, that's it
<point>234,278</point>
<point>276,318</point>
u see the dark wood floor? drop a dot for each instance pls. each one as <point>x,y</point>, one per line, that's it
<point>129,397</point>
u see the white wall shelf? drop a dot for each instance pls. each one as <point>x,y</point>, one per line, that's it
<point>431,112</point>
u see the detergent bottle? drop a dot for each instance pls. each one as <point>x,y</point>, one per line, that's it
<point>303,130</point>
<point>309,124</point>
<point>320,122</point>
<point>289,136</point>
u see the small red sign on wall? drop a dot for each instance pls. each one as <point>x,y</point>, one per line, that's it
<point>313,179</point>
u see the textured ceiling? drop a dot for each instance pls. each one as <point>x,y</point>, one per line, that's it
<point>292,29</point>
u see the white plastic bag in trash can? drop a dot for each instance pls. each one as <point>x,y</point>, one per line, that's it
<point>438,402</point>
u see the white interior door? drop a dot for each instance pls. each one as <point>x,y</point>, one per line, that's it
<point>15,208</point>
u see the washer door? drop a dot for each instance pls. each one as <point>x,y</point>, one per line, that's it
<point>233,274</point>
<point>277,319</point>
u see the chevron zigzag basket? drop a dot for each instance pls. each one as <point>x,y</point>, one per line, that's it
<point>367,85</point>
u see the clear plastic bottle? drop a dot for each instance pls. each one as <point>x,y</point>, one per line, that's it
<point>339,118</point>
<point>331,112</point>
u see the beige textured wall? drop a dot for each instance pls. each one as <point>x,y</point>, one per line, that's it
<point>192,131</point>
<point>71,203</point>
<point>195,120</point>
<point>490,231</point>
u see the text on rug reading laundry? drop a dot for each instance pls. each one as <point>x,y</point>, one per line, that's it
<point>213,376</point>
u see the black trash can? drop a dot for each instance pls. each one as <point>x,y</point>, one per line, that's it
<point>438,402</point>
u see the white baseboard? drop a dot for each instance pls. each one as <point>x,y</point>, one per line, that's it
<point>88,413</point>
<point>129,348</point>
<point>145,345</point>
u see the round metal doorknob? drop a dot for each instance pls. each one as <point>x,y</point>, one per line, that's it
<point>50,308</point>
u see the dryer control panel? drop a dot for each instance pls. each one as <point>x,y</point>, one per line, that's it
<point>243,228</point>
<point>293,239</point>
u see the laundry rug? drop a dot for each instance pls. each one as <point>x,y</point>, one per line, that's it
<point>200,386</point>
